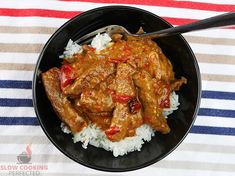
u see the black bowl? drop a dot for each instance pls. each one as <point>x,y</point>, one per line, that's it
<point>175,48</point>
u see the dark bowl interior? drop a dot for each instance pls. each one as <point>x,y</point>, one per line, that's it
<point>175,48</point>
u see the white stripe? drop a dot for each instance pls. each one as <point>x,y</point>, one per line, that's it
<point>17,130</point>
<point>224,158</point>
<point>213,49</point>
<point>210,139</point>
<point>217,104</point>
<point>21,58</point>
<point>16,75</point>
<point>73,168</point>
<point>215,121</point>
<point>17,112</point>
<point>218,86</point>
<point>31,21</point>
<point>15,93</point>
<point>178,12</point>
<point>84,6</point>
<point>59,167</point>
<point>178,172</point>
<point>214,1</point>
<point>213,33</point>
<point>24,38</point>
<point>36,148</point>
<point>191,138</point>
<point>220,69</point>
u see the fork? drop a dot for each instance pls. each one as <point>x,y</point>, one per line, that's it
<point>225,19</point>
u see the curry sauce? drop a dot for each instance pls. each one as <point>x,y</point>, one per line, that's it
<point>118,88</point>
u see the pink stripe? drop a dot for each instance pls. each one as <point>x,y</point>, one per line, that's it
<point>38,12</point>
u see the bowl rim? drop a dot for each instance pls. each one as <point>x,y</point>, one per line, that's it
<point>35,75</point>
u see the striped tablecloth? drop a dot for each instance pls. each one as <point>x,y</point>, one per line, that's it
<point>26,25</point>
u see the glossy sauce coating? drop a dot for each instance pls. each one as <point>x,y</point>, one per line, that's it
<point>60,103</point>
<point>119,88</point>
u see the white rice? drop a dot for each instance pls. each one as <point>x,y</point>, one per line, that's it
<point>96,137</point>
<point>71,49</point>
<point>174,103</point>
<point>93,135</point>
<point>99,42</point>
<point>65,128</point>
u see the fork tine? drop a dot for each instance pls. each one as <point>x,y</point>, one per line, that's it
<point>91,35</point>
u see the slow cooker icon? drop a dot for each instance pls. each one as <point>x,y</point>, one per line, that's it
<point>25,156</point>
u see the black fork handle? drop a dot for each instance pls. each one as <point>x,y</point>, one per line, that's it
<point>225,19</point>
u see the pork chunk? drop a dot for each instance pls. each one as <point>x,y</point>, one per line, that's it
<point>96,101</point>
<point>60,103</point>
<point>97,73</point>
<point>123,121</point>
<point>152,113</point>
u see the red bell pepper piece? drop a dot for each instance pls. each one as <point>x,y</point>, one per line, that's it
<point>121,98</point>
<point>112,131</point>
<point>67,75</point>
<point>165,102</point>
<point>134,105</point>
<point>127,50</point>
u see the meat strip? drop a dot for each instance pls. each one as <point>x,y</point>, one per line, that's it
<point>159,66</point>
<point>90,78</point>
<point>122,119</point>
<point>96,101</point>
<point>60,103</point>
<point>152,113</point>
<point>177,83</point>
